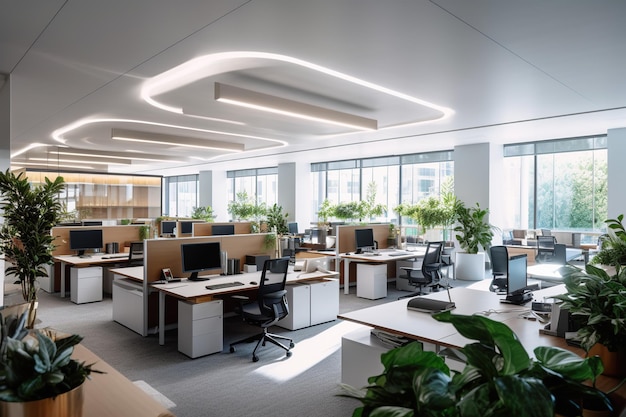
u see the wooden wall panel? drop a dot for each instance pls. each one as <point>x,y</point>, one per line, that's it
<point>120,234</point>
<point>345,236</point>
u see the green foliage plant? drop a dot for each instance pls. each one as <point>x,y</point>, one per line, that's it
<point>324,212</point>
<point>472,230</point>
<point>243,207</point>
<point>203,213</point>
<point>598,301</point>
<point>277,220</point>
<point>34,366</point>
<point>348,211</point>
<point>499,378</point>
<point>30,212</point>
<point>613,251</point>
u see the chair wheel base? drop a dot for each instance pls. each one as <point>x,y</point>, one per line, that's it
<point>255,358</point>
<point>291,344</point>
<point>232,349</point>
<point>288,354</point>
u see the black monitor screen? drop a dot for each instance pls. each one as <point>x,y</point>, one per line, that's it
<point>293,228</point>
<point>516,279</point>
<point>199,257</point>
<point>82,240</point>
<point>167,227</point>
<point>186,227</point>
<point>223,229</point>
<point>364,239</point>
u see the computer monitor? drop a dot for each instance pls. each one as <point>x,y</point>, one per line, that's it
<point>186,226</point>
<point>364,239</point>
<point>516,282</point>
<point>222,229</point>
<point>292,228</point>
<point>167,227</point>
<point>200,257</point>
<point>83,240</point>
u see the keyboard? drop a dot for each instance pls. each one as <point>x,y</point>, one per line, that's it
<point>397,254</point>
<point>115,257</point>
<point>223,285</point>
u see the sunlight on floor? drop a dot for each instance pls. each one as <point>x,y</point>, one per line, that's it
<point>307,353</point>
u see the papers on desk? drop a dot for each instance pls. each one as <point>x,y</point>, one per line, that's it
<point>389,338</point>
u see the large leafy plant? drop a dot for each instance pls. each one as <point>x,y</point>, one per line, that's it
<point>277,220</point>
<point>473,230</point>
<point>33,366</point>
<point>598,301</point>
<point>613,251</point>
<point>499,378</point>
<point>30,212</point>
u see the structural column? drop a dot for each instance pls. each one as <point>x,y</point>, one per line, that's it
<point>5,147</point>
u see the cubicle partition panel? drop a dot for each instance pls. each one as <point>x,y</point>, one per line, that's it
<point>122,235</point>
<point>165,253</point>
<point>346,243</point>
<point>205,229</point>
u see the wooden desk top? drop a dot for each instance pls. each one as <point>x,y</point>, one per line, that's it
<point>93,259</point>
<point>196,291</point>
<point>384,255</point>
<point>132,272</point>
<point>112,394</point>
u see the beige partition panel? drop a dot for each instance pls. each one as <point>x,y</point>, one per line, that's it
<point>120,234</point>
<point>204,229</point>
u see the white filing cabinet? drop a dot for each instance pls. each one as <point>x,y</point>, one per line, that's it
<point>360,357</point>
<point>299,299</point>
<point>86,284</point>
<point>200,328</point>
<point>324,300</point>
<point>47,283</point>
<point>402,284</point>
<point>371,280</point>
<point>128,304</point>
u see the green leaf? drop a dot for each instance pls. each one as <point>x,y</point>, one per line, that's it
<point>568,363</point>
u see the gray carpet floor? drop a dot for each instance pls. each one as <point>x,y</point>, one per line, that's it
<point>223,384</point>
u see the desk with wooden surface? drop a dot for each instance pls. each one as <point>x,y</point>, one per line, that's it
<point>96,259</point>
<point>381,256</point>
<point>112,394</point>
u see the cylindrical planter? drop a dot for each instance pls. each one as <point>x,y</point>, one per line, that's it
<point>68,404</point>
<point>614,362</point>
<point>469,266</point>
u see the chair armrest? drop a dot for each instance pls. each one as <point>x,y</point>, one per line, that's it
<point>275,295</point>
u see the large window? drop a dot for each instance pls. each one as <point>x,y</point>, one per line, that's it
<point>180,195</point>
<point>557,184</point>
<point>260,184</point>
<point>393,179</point>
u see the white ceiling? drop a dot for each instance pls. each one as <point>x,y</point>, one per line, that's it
<point>496,70</point>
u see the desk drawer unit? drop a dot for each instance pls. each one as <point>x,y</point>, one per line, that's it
<point>299,299</point>
<point>86,284</point>
<point>200,328</point>
<point>371,281</point>
<point>324,300</point>
<point>128,304</point>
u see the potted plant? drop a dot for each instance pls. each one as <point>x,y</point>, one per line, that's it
<point>37,374</point>
<point>277,220</point>
<point>203,213</point>
<point>473,232</point>
<point>347,211</point>
<point>597,300</point>
<point>30,212</point>
<point>498,379</point>
<point>613,245</point>
<point>368,208</point>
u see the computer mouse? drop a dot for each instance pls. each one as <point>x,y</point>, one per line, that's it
<point>254,283</point>
<point>348,253</point>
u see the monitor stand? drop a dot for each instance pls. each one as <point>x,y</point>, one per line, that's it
<point>82,254</point>
<point>519,299</point>
<point>194,277</point>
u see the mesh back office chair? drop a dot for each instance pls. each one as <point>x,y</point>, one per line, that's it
<point>499,268</point>
<point>545,248</point>
<point>430,270</point>
<point>270,306</point>
<point>135,254</point>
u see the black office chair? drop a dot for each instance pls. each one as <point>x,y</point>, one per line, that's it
<point>429,275</point>
<point>135,254</point>
<point>545,249</point>
<point>270,306</point>
<point>499,268</point>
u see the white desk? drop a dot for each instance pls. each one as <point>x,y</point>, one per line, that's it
<point>96,259</point>
<point>382,256</point>
<point>196,291</point>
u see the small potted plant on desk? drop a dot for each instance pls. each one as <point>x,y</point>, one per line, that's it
<point>499,378</point>
<point>38,377</point>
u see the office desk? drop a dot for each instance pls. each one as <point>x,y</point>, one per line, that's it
<point>93,260</point>
<point>531,251</point>
<point>112,394</point>
<point>196,292</point>
<point>395,318</point>
<point>383,256</point>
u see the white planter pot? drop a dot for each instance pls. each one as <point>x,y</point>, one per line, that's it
<point>469,266</point>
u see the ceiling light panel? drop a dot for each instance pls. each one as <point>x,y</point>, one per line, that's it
<point>171,140</point>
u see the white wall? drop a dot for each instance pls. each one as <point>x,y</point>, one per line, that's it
<point>616,143</point>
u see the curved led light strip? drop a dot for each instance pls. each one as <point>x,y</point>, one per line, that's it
<point>58,134</point>
<point>213,64</point>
